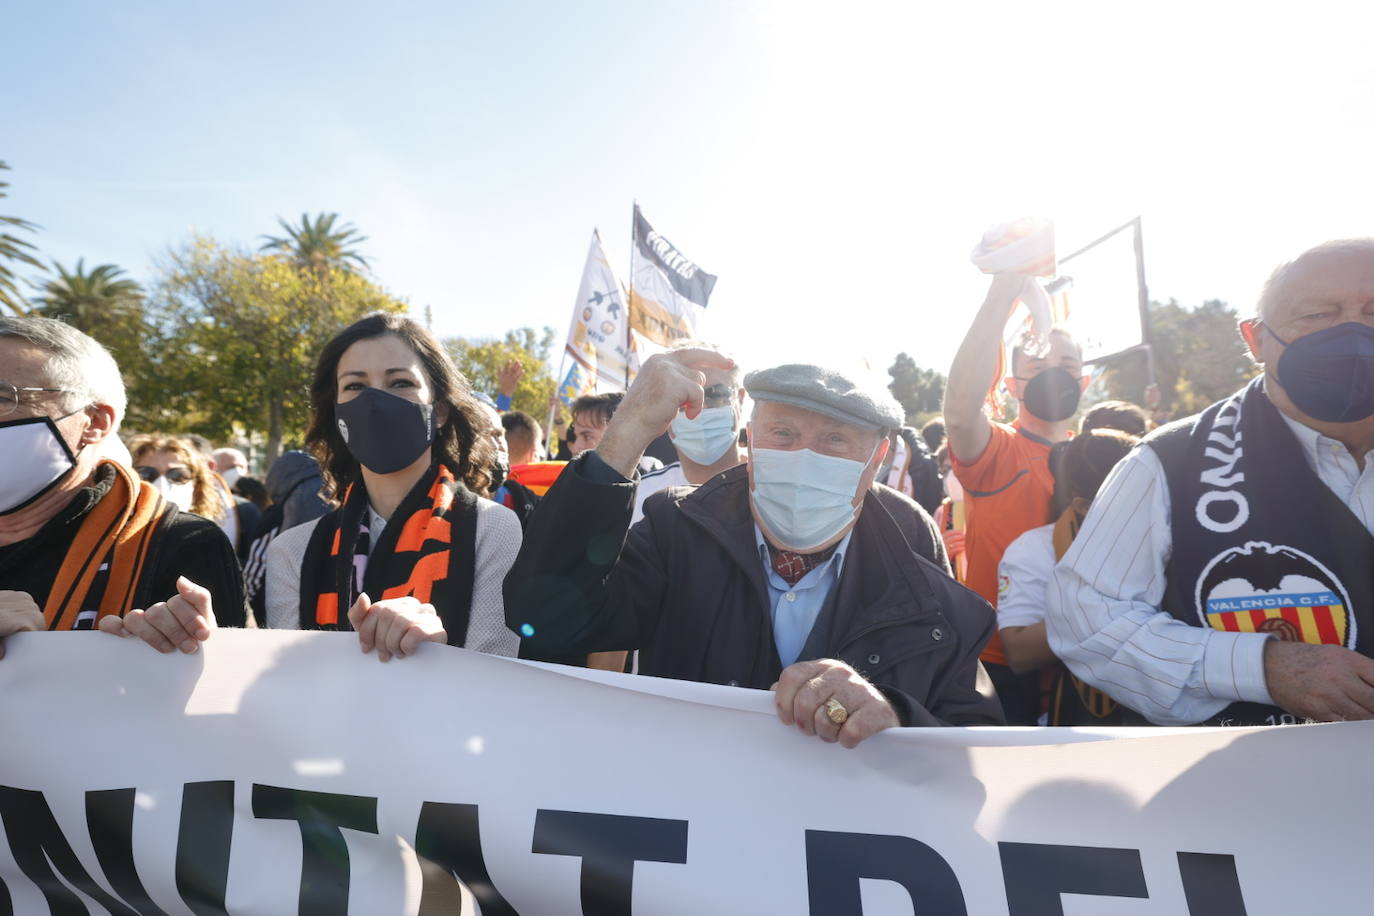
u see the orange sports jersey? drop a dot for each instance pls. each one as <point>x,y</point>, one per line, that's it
<point>1006,493</point>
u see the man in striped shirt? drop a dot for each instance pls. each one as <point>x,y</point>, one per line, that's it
<point>1225,573</point>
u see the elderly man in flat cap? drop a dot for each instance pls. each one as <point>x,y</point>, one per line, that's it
<point>793,571</point>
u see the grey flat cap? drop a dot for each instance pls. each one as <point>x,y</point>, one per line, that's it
<point>828,392</point>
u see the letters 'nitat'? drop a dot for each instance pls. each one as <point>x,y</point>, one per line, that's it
<point>449,847</point>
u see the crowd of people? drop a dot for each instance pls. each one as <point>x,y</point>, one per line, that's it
<point>1060,569</point>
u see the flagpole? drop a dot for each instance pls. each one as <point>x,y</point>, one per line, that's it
<point>629,338</point>
<point>553,404</point>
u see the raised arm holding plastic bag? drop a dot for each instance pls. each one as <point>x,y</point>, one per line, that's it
<point>1002,468</point>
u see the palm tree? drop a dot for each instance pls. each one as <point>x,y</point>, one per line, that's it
<point>85,299</point>
<point>318,244</point>
<point>99,302</point>
<point>13,249</point>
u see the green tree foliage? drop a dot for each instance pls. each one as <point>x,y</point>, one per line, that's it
<point>919,391</point>
<point>480,360</point>
<point>318,245</point>
<point>100,302</point>
<point>14,250</point>
<point>233,338</point>
<point>1199,359</point>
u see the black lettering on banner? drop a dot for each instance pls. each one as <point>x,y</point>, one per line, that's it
<point>110,820</point>
<point>1036,874</point>
<point>448,842</point>
<point>35,840</point>
<point>207,828</point>
<point>324,854</point>
<point>609,845</point>
<point>836,861</point>
<point>1210,884</point>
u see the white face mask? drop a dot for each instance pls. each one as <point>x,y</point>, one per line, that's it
<point>706,439</point>
<point>804,498</point>
<point>35,459</point>
<point>178,494</point>
<point>230,475</point>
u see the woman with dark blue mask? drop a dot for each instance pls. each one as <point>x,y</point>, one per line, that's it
<point>411,553</point>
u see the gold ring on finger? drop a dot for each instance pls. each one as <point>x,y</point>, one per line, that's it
<point>835,711</point>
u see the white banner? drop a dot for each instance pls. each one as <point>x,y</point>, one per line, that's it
<point>598,338</point>
<point>285,772</point>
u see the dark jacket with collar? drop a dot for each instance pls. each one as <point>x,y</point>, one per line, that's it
<point>686,588</point>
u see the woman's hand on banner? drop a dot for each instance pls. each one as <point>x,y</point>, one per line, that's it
<point>183,621</point>
<point>395,626</point>
<point>831,700</point>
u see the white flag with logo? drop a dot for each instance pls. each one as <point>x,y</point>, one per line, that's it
<point>597,338</point>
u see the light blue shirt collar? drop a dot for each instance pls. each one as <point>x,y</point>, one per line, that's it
<point>793,609</point>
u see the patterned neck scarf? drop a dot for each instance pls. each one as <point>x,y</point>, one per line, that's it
<point>419,554</point>
<point>791,567</point>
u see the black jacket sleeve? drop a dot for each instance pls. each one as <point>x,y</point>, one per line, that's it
<point>560,594</point>
<point>196,548</point>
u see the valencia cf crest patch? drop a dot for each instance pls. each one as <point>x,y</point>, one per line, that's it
<point>1272,588</point>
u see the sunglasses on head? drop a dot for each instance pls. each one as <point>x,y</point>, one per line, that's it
<point>718,395</point>
<point>173,475</point>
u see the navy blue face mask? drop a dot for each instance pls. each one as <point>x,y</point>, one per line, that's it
<point>385,433</point>
<point>1329,375</point>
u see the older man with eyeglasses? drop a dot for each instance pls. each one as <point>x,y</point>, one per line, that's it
<point>84,543</point>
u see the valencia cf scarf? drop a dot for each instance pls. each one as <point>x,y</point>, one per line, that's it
<point>1260,544</point>
<point>101,572</point>
<point>428,551</point>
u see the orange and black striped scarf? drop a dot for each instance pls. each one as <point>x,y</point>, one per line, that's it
<point>101,572</point>
<point>428,550</point>
<point>1072,700</point>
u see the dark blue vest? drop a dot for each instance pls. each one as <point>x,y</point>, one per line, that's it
<point>1260,544</point>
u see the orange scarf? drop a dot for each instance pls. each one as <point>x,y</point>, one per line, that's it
<point>1067,525</point>
<point>116,534</point>
<point>428,551</point>
<point>1091,701</point>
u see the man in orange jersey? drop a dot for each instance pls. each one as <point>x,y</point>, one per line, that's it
<point>1004,470</point>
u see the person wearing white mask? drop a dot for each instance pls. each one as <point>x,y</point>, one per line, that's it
<point>706,444</point>
<point>794,571</point>
<point>179,472</point>
<point>84,543</point>
<point>230,464</point>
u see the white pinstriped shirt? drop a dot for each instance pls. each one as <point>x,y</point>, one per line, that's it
<point>1104,619</point>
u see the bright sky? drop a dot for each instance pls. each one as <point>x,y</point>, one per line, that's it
<point>832,163</point>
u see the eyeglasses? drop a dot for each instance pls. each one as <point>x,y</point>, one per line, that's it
<point>10,394</point>
<point>718,395</point>
<point>173,475</point>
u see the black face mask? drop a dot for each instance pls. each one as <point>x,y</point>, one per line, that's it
<point>385,433</point>
<point>499,471</point>
<point>1052,395</point>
